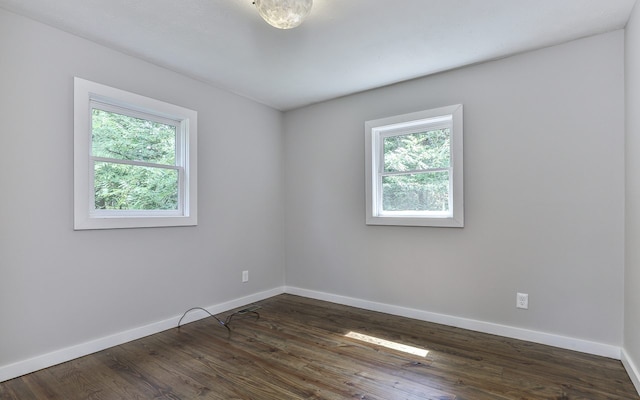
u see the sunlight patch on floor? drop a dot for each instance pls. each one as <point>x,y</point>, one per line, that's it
<point>388,344</point>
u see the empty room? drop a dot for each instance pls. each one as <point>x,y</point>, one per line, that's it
<point>297,199</point>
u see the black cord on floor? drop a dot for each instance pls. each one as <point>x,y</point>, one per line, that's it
<point>251,310</point>
<point>211,315</point>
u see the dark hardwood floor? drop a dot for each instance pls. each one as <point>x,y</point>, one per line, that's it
<point>298,349</point>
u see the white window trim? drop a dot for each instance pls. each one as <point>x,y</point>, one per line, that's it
<point>85,216</point>
<point>375,129</point>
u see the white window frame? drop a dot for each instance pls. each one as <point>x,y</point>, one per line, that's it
<point>377,130</point>
<point>88,95</point>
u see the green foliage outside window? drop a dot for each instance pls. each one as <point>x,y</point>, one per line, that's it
<point>124,186</point>
<point>417,166</point>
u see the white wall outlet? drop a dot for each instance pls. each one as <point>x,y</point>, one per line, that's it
<point>522,301</point>
<point>245,276</point>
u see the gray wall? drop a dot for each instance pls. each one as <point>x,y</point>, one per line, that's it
<point>632,272</point>
<point>58,287</point>
<point>544,196</point>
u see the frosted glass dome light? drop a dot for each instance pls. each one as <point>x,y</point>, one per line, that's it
<point>284,14</point>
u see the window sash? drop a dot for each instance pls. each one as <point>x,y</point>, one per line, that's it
<point>179,157</point>
<point>379,204</point>
<point>179,125</point>
<point>418,213</point>
<point>96,212</point>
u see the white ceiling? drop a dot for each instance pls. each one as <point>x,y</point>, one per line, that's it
<point>345,46</point>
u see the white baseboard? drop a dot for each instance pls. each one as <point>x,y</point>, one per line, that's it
<point>563,342</point>
<point>20,368</point>
<point>632,369</point>
<point>24,367</point>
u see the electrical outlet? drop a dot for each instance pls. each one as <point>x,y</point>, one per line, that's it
<point>245,276</point>
<point>522,301</point>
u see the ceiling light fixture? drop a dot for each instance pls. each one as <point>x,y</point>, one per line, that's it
<point>284,14</point>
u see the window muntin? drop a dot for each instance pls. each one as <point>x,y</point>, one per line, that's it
<point>135,160</point>
<point>414,169</point>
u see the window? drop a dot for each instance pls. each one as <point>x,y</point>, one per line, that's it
<point>134,160</point>
<point>414,169</point>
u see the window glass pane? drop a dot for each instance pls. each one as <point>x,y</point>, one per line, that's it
<point>427,191</point>
<point>417,151</point>
<point>132,187</point>
<point>128,138</point>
